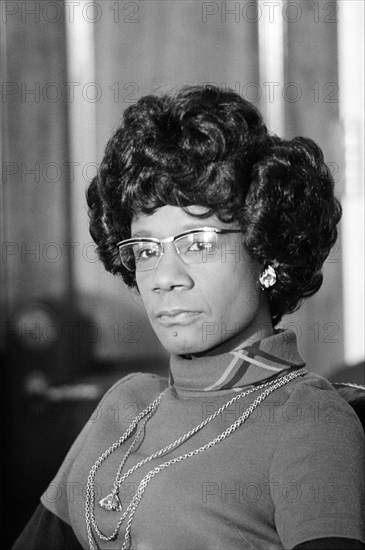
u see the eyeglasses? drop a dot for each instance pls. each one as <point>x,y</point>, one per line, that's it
<point>194,246</point>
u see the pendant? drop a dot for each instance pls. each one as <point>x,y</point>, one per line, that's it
<point>111,503</point>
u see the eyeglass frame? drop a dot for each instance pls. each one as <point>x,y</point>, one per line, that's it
<point>173,238</point>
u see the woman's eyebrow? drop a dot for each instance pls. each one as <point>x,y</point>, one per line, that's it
<point>141,233</point>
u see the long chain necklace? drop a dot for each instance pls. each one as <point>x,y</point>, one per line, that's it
<point>112,501</point>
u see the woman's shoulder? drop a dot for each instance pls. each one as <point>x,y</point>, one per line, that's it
<point>317,466</point>
<point>128,397</point>
<point>311,384</point>
<point>148,385</point>
<point>124,400</point>
<point>314,397</point>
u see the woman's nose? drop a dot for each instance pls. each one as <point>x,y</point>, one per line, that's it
<point>171,272</point>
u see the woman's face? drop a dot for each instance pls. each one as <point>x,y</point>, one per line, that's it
<point>196,307</point>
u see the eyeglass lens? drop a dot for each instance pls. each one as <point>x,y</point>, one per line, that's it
<point>197,247</point>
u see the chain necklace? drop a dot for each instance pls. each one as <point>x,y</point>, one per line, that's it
<point>112,501</point>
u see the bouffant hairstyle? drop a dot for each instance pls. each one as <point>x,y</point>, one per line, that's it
<point>209,147</point>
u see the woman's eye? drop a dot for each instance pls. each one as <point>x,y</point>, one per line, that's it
<point>201,246</point>
<point>146,253</point>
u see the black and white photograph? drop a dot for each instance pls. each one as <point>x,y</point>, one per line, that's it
<point>182,274</point>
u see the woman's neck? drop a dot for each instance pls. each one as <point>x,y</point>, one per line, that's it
<point>246,336</point>
<point>251,361</point>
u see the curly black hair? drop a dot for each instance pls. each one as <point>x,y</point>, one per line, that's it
<point>209,147</point>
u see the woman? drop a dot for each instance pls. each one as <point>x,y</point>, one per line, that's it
<point>222,229</point>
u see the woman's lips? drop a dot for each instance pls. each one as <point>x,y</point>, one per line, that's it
<point>178,317</point>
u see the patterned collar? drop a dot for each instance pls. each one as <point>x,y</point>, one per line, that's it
<point>247,364</point>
